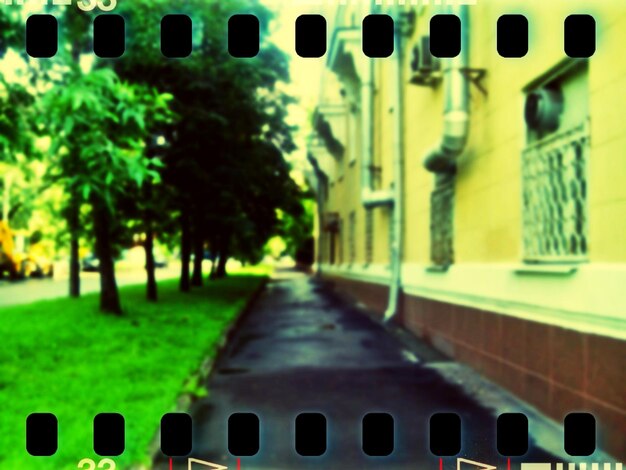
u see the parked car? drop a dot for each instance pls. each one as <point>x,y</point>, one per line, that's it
<point>160,261</point>
<point>133,258</point>
<point>91,263</point>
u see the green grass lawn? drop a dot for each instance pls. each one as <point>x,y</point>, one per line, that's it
<point>64,357</point>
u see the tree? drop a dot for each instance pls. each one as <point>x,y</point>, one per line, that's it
<point>296,231</point>
<point>144,211</point>
<point>226,153</point>
<point>16,140</point>
<point>100,125</point>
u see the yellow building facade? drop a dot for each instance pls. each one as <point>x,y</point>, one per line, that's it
<point>480,201</point>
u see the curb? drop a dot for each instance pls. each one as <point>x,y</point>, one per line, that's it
<point>186,399</point>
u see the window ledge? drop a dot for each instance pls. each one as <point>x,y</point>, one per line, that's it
<point>545,270</point>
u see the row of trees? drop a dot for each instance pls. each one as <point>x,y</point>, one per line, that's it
<point>187,148</point>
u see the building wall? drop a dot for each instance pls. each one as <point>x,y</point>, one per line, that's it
<point>607,102</point>
<point>553,333</point>
<point>559,370</point>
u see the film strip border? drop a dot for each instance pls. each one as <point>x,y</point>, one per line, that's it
<point>109,36</point>
<point>311,436</point>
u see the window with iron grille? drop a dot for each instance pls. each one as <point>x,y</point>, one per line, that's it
<point>441,221</point>
<point>555,196</point>
<point>554,166</point>
<point>369,235</point>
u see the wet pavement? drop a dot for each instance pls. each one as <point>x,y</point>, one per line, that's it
<point>302,349</point>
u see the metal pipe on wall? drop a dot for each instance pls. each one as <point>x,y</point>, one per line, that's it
<point>442,158</point>
<point>395,242</point>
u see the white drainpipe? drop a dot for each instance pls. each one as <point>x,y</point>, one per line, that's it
<point>392,197</point>
<point>395,242</point>
<point>380,198</point>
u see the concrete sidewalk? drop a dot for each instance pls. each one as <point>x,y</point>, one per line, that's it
<point>302,349</point>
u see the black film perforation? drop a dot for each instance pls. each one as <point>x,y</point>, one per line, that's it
<point>243,434</point>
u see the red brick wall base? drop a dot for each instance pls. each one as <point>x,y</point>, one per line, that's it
<point>373,296</point>
<point>555,369</point>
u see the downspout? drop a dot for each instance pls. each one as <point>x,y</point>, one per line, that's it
<point>442,158</point>
<point>395,242</point>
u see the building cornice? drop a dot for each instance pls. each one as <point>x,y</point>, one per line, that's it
<point>345,54</point>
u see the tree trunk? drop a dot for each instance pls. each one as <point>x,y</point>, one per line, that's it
<point>213,273</point>
<point>74,266</point>
<point>109,295</point>
<point>73,223</point>
<point>221,265</point>
<point>185,252</point>
<point>198,257</point>
<point>151,285</point>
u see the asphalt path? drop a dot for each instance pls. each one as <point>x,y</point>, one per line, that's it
<point>302,349</point>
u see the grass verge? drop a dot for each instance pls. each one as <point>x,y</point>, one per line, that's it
<point>64,357</point>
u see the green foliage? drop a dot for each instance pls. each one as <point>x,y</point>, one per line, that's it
<point>100,124</point>
<point>196,388</point>
<point>297,229</point>
<point>16,114</point>
<point>225,160</point>
<point>11,30</point>
<point>90,363</point>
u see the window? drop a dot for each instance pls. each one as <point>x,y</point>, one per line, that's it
<point>554,167</point>
<point>441,220</point>
<point>555,196</point>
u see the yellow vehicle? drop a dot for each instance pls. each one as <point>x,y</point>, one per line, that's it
<point>16,260</point>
